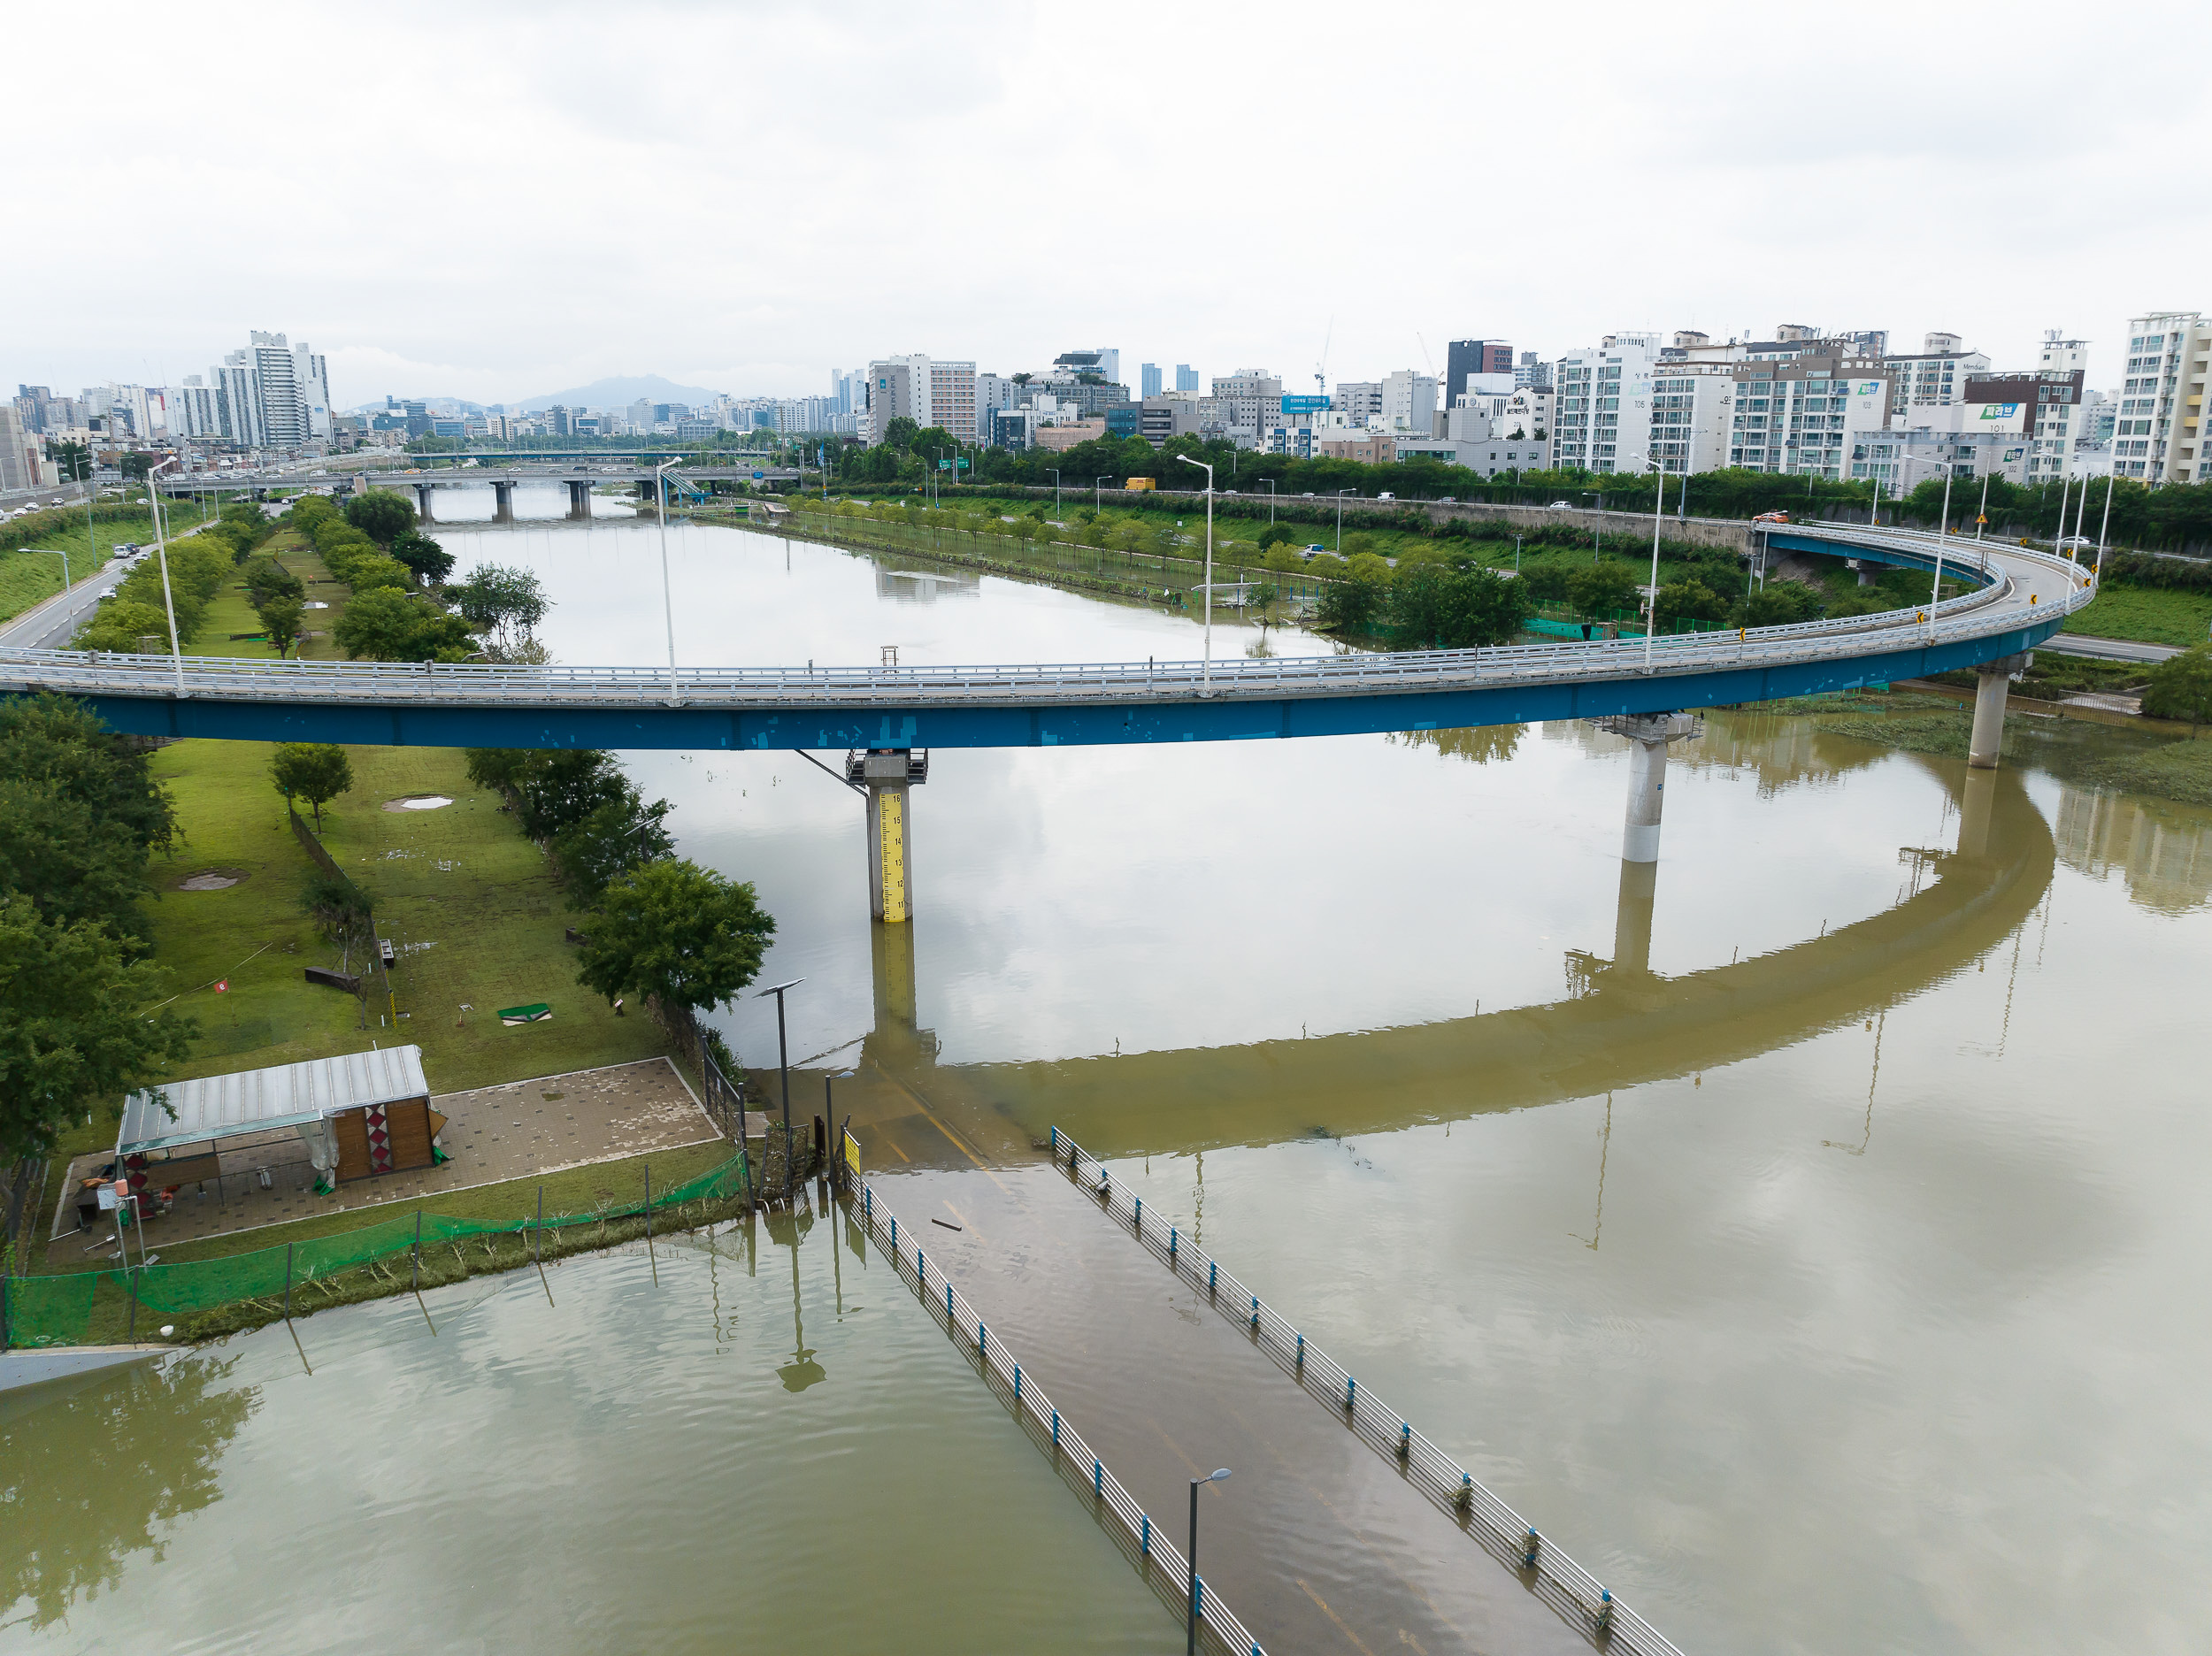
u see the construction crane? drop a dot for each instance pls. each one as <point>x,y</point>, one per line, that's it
<point>1321,368</point>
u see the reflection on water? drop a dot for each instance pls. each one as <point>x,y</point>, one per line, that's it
<point>2163,852</point>
<point>94,1477</point>
<point>750,1436</point>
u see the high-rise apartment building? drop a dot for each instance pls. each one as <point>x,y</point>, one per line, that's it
<point>1186,377</point>
<point>1409,404</point>
<point>1935,376</point>
<point>2158,430</point>
<point>1149,382</point>
<point>1692,405</point>
<point>1464,356</point>
<point>1808,414</point>
<point>1356,402</point>
<point>1604,404</point>
<point>1241,405</point>
<point>1532,373</point>
<point>924,390</point>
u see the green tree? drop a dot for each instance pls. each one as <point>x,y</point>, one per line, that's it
<point>267,579</point>
<point>315,772</point>
<point>381,514</point>
<point>2180,687</point>
<point>429,560</point>
<point>1353,604</point>
<point>388,624</point>
<point>1431,607</point>
<point>366,574</point>
<point>280,617</point>
<point>120,627</point>
<point>1692,600</point>
<point>900,433</point>
<point>73,460</point>
<point>1778,604</point>
<point>73,1028</point>
<point>614,838</point>
<point>504,603</point>
<point>1545,582</point>
<point>678,932</point>
<point>134,466</point>
<point>1601,589</point>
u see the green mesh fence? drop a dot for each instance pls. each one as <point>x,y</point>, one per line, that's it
<point>58,1310</point>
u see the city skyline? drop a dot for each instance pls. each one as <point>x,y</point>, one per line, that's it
<point>1916,185</point>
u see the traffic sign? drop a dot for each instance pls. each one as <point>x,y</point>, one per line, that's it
<point>758,475</point>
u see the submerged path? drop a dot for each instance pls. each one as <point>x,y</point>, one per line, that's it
<point>1316,1541</point>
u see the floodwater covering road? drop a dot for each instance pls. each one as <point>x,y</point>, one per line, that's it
<point>1802,1238</point>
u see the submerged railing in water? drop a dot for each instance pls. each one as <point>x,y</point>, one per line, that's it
<point>1160,1560</point>
<point>1556,1578</point>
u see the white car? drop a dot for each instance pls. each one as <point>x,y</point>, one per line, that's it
<point>1559,506</point>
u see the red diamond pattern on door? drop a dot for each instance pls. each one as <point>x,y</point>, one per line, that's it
<point>379,1140</point>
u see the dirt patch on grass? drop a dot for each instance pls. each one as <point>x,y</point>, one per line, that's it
<point>418,803</point>
<point>211,879</point>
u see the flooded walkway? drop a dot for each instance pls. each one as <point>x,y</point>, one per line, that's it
<point>1316,1541</point>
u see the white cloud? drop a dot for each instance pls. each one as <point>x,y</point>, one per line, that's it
<point>500,200</point>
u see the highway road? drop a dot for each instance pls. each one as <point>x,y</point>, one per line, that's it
<point>2106,649</point>
<point>49,626</point>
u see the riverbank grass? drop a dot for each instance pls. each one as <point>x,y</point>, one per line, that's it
<point>2145,615</point>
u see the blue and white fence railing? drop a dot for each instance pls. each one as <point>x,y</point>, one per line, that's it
<point>1562,1583</point>
<point>1139,1537</point>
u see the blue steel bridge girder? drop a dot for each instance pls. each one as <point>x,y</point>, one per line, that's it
<point>1046,724</point>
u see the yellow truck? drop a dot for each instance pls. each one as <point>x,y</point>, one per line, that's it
<point>1141,483</point>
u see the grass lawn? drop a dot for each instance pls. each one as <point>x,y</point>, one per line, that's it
<point>2148,615</point>
<point>469,901</point>
<point>28,575</point>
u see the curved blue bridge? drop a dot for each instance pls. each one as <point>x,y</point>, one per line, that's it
<point>2020,597</point>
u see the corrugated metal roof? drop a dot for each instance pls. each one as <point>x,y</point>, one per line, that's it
<point>287,1095</point>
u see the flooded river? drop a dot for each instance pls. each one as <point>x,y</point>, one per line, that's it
<point>1807,1239</point>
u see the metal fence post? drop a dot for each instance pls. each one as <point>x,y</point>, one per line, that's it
<point>415,1281</point>
<point>288,1282</point>
<point>1528,1558</point>
<point>537,1231</point>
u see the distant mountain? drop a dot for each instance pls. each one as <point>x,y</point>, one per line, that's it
<point>620,392</point>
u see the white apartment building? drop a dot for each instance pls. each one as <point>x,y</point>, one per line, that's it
<point>1356,402</point>
<point>1603,411</point>
<point>1242,406</point>
<point>1934,377</point>
<point>2060,424</point>
<point>1692,409</point>
<point>1902,460</point>
<point>23,462</point>
<point>1805,416</point>
<point>195,410</point>
<point>1409,404</point>
<point>925,391</point>
<point>2157,430</point>
<point>1485,458</point>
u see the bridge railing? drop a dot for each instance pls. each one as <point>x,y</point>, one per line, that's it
<point>1501,1531</point>
<point>1158,1557</point>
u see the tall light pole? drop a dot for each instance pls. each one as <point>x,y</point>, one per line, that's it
<point>1270,498</point>
<point>668,601</point>
<point>1055,490</point>
<point>1651,615</point>
<point>168,599</point>
<point>68,609</point>
<point>1208,674</point>
<point>1340,493</point>
<point>2111,482</point>
<point>1981,517</point>
<point>1191,1625</point>
<point>783,1062</point>
<point>1098,485</point>
<point>1936,597</point>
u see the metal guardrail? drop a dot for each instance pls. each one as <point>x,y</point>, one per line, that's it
<point>1034,1408</point>
<point>1992,608</point>
<point>1503,1533</point>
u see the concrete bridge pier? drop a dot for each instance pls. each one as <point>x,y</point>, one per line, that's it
<point>502,503</point>
<point>889,774</point>
<point>579,501</point>
<point>1989,694</point>
<point>423,492</point>
<point>1647,774</point>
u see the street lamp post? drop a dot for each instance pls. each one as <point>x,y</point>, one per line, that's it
<point>1651,615</point>
<point>1191,1626</point>
<point>668,601</point>
<point>1055,490</point>
<point>1340,493</point>
<point>68,609</point>
<point>168,598</point>
<point>1270,499</point>
<point>783,1062</point>
<point>1207,676</point>
<point>1942,530</point>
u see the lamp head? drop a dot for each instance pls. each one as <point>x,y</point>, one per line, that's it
<point>1215,1478</point>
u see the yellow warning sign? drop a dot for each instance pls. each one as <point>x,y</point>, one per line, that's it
<point>891,816</point>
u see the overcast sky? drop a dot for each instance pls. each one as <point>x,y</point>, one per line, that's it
<point>494,201</point>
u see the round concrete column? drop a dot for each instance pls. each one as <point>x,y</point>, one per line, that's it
<point>1989,717</point>
<point>1647,787</point>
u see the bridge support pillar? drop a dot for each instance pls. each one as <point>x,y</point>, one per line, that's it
<point>645,490</point>
<point>889,774</point>
<point>502,503</point>
<point>579,501</point>
<point>1989,694</point>
<point>423,492</point>
<point>1647,773</point>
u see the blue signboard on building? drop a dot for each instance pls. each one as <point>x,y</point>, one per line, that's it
<point>1305,405</point>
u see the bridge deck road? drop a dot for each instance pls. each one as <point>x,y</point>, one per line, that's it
<point>1314,1543</point>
